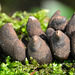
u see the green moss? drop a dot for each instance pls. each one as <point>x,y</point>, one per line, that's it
<point>17,68</point>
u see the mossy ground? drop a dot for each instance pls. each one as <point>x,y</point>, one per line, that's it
<point>10,67</point>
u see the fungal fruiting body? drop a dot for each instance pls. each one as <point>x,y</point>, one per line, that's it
<point>60,45</point>
<point>33,27</point>
<point>49,33</point>
<point>10,43</point>
<point>39,50</point>
<point>57,13</point>
<point>71,26</point>
<point>57,21</point>
<point>73,45</point>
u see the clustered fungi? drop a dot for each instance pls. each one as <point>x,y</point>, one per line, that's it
<point>58,42</point>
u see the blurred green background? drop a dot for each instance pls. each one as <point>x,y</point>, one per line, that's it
<point>67,7</point>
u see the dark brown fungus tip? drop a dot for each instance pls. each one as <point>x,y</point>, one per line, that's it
<point>58,34</point>
<point>7,31</point>
<point>35,39</point>
<point>35,43</point>
<point>33,26</point>
<point>59,23</point>
<point>57,13</point>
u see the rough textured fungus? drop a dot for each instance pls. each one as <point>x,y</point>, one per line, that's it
<point>10,43</point>
<point>39,50</point>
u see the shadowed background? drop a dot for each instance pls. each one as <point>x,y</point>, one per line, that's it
<point>67,7</point>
